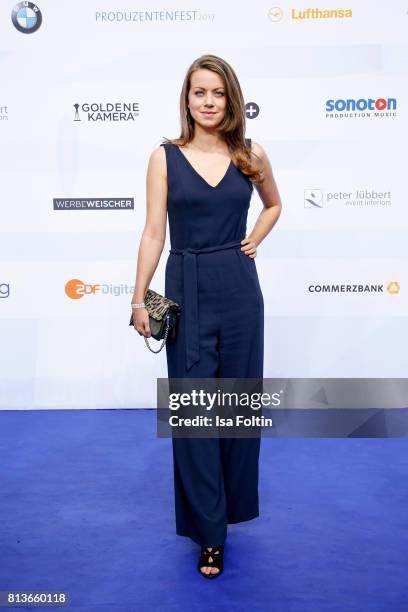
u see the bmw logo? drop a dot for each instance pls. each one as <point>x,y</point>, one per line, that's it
<point>26,17</point>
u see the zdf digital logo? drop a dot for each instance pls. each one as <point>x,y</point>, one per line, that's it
<point>77,289</point>
<point>26,17</point>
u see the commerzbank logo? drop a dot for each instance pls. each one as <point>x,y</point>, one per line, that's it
<point>393,287</point>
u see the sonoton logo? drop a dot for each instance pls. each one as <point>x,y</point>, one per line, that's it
<point>351,104</point>
<point>77,289</point>
<point>355,108</point>
<point>26,17</point>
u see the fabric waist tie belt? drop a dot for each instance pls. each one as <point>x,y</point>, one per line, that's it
<point>190,284</point>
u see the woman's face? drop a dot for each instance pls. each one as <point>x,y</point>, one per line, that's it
<point>207,98</point>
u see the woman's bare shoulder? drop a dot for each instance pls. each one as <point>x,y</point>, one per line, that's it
<point>258,150</point>
<point>157,160</point>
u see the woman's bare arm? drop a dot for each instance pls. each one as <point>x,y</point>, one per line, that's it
<point>268,192</point>
<point>154,233</point>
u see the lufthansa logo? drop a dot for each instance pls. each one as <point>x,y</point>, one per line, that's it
<point>26,17</point>
<point>275,13</point>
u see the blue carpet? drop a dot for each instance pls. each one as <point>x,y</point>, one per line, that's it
<point>87,508</point>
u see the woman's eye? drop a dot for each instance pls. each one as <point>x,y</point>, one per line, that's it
<point>218,92</point>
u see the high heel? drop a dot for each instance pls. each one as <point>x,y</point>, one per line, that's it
<point>217,555</point>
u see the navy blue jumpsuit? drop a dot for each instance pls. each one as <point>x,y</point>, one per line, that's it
<point>220,335</point>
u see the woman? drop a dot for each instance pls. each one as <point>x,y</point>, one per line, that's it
<point>205,181</point>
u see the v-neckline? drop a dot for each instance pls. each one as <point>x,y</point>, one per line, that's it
<point>199,175</point>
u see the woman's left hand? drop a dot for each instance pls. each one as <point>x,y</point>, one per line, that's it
<point>249,248</point>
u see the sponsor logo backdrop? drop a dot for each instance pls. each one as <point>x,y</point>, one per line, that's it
<point>88,91</point>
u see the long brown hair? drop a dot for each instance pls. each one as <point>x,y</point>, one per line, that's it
<point>232,127</point>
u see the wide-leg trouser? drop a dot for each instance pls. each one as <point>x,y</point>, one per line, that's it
<point>216,479</point>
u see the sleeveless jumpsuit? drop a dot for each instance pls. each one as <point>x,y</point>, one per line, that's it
<point>220,335</point>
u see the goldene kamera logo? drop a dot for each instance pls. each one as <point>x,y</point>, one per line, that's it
<point>106,111</point>
<point>26,17</point>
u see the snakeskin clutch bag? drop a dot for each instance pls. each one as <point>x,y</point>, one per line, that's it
<point>164,314</point>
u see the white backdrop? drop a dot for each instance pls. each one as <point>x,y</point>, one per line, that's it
<point>61,351</point>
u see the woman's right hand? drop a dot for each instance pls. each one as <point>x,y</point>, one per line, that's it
<point>141,322</point>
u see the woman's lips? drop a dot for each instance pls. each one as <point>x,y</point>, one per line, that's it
<point>208,114</point>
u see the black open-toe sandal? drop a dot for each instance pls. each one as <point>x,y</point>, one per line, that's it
<point>217,555</point>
